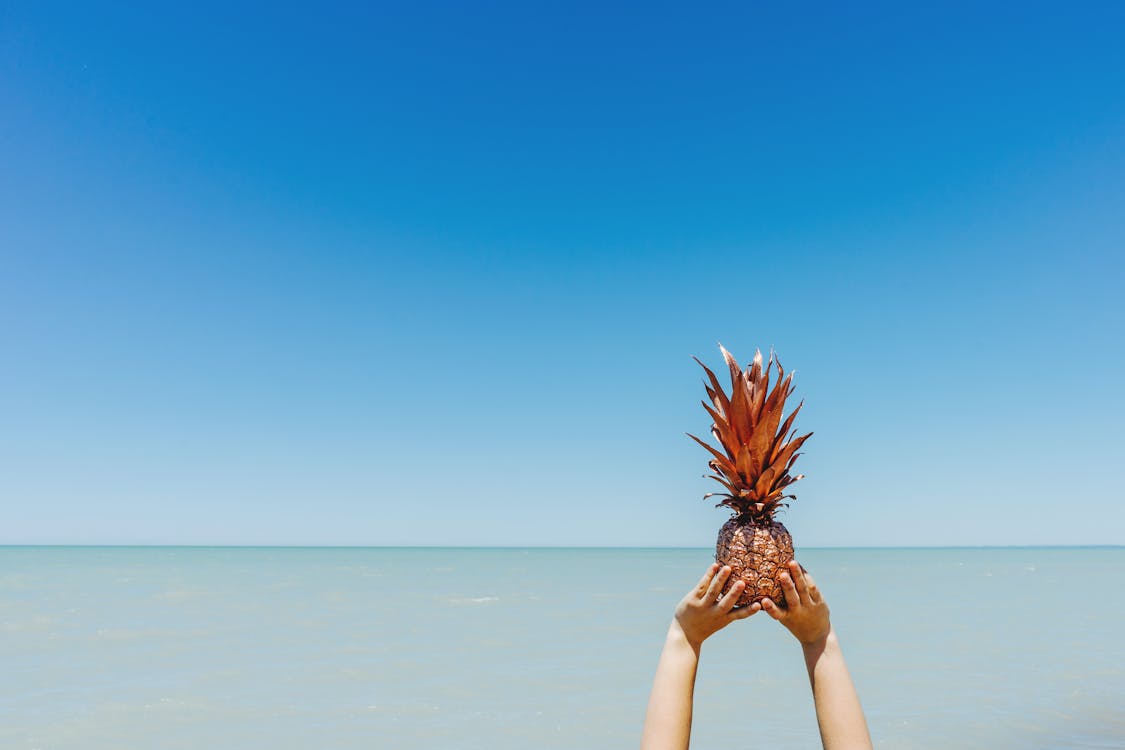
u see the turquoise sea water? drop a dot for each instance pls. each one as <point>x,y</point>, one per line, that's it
<point>166,647</point>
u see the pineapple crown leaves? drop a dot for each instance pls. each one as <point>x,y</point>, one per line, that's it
<point>758,448</point>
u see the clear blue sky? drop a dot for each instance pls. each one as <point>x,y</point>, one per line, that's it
<point>427,273</point>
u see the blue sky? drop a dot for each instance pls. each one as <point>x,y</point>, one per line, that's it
<point>429,273</point>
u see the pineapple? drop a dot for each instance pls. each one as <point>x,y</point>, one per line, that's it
<point>754,470</point>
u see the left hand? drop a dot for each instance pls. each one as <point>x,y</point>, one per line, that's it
<point>701,613</point>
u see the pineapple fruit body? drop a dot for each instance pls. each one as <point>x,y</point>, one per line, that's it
<point>757,552</point>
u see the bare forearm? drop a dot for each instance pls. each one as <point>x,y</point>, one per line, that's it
<point>702,612</point>
<point>838,711</point>
<point>668,720</point>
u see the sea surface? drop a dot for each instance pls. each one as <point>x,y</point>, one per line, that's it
<point>333,648</point>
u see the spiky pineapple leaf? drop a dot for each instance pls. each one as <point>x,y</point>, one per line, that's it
<point>728,467</point>
<point>716,390</point>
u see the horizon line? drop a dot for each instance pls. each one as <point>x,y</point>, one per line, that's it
<point>545,546</point>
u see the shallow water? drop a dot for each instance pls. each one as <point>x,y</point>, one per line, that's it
<point>552,648</point>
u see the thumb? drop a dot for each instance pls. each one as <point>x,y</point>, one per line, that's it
<point>772,609</point>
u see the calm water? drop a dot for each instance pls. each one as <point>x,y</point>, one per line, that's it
<point>511,648</point>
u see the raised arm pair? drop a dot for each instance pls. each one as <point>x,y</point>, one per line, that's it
<point>702,612</point>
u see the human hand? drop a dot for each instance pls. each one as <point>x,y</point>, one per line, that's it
<point>701,613</point>
<point>806,616</point>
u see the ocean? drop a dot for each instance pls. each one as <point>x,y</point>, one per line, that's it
<point>197,647</point>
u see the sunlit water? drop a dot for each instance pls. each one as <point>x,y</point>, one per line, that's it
<point>514,648</point>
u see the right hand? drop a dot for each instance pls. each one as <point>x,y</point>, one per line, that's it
<point>806,616</point>
<point>704,611</point>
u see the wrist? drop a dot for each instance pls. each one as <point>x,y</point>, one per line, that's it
<point>820,643</point>
<point>678,638</point>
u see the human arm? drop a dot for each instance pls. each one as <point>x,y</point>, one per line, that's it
<point>699,614</point>
<point>838,711</point>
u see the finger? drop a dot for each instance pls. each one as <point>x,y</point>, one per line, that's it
<point>814,592</point>
<point>797,573</point>
<point>792,598</point>
<point>728,600</point>
<point>772,609</point>
<point>705,581</point>
<point>717,583</point>
<point>743,612</point>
